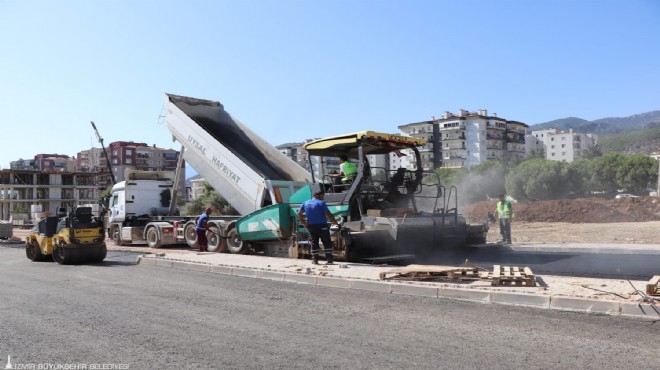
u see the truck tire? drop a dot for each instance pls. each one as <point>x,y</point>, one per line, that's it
<point>33,252</point>
<point>216,243</point>
<point>116,236</point>
<point>235,244</point>
<point>190,235</point>
<point>153,240</point>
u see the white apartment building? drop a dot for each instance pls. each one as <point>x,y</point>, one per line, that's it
<point>467,139</point>
<point>560,145</point>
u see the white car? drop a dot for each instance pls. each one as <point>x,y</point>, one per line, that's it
<point>619,196</point>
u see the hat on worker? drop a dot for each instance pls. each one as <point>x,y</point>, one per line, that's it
<point>318,193</point>
<point>209,210</point>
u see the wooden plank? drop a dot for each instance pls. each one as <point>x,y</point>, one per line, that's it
<point>652,286</point>
<point>496,272</point>
<point>507,271</point>
<point>516,271</point>
<point>528,271</point>
<point>484,274</point>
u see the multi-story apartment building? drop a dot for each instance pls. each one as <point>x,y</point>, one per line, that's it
<point>558,145</point>
<point>139,156</point>
<point>467,139</point>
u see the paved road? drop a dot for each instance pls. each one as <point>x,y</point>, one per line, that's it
<point>603,265</point>
<point>156,318</point>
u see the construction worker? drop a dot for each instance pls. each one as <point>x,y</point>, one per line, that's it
<point>505,214</point>
<point>201,228</point>
<point>317,214</point>
<point>347,170</point>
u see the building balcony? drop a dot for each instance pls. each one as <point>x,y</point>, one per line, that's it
<point>453,137</point>
<point>516,139</point>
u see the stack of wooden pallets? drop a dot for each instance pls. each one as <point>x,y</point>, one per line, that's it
<point>511,275</point>
<point>430,272</point>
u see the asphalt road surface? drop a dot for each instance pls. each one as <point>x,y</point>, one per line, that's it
<point>119,315</point>
<point>603,265</point>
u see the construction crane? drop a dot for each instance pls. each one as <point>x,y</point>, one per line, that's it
<point>105,153</point>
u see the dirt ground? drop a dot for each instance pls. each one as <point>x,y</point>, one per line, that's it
<point>591,220</point>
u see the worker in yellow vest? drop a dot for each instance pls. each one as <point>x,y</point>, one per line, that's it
<point>505,215</point>
<point>347,170</point>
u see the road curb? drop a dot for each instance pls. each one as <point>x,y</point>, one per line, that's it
<point>481,295</point>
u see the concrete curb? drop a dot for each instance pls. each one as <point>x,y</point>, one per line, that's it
<point>441,291</point>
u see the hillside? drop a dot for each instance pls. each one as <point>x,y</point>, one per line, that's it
<point>610,125</point>
<point>638,141</point>
<point>639,133</point>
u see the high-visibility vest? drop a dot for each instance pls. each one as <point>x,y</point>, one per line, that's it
<point>504,210</point>
<point>349,170</point>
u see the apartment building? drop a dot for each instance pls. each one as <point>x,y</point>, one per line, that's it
<point>558,145</point>
<point>46,191</point>
<point>467,139</point>
<point>140,156</point>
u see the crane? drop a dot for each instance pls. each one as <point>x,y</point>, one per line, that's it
<point>105,153</point>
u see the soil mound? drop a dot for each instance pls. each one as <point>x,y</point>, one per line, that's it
<point>584,210</point>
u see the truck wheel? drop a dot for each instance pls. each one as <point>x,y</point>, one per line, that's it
<point>190,235</point>
<point>33,252</point>
<point>116,236</point>
<point>216,243</point>
<point>235,244</point>
<point>153,241</point>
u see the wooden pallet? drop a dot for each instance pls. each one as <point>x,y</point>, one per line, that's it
<point>507,275</point>
<point>430,272</point>
<point>653,286</point>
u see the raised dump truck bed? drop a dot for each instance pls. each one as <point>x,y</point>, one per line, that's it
<point>238,163</point>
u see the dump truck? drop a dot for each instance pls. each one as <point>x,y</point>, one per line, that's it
<point>242,166</point>
<point>70,237</point>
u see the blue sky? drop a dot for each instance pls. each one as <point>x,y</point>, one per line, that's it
<point>297,69</point>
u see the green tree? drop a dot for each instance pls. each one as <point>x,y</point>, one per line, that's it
<point>593,152</point>
<point>538,179</point>
<point>636,172</point>
<point>209,198</point>
<point>604,170</point>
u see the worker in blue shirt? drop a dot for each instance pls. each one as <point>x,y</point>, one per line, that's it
<point>317,214</point>
<point>201,228</point>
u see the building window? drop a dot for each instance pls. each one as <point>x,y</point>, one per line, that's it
<point>563,154</point>
<point>563,145</point>
<point>128,161</point>
<point>552,146</point>
<point>129,152</point>
<point>563,138</point>
<point>552,154</point>
<point>552,139</point>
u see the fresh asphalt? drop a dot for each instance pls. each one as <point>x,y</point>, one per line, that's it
<point>115,313</point>
<point>613,264</point>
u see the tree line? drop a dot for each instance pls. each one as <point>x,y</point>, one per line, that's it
<point>536,178</point>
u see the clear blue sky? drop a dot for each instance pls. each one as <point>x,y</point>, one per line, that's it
<point>296,69</point>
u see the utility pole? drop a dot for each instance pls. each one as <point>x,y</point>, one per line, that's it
<point>105,153</point>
